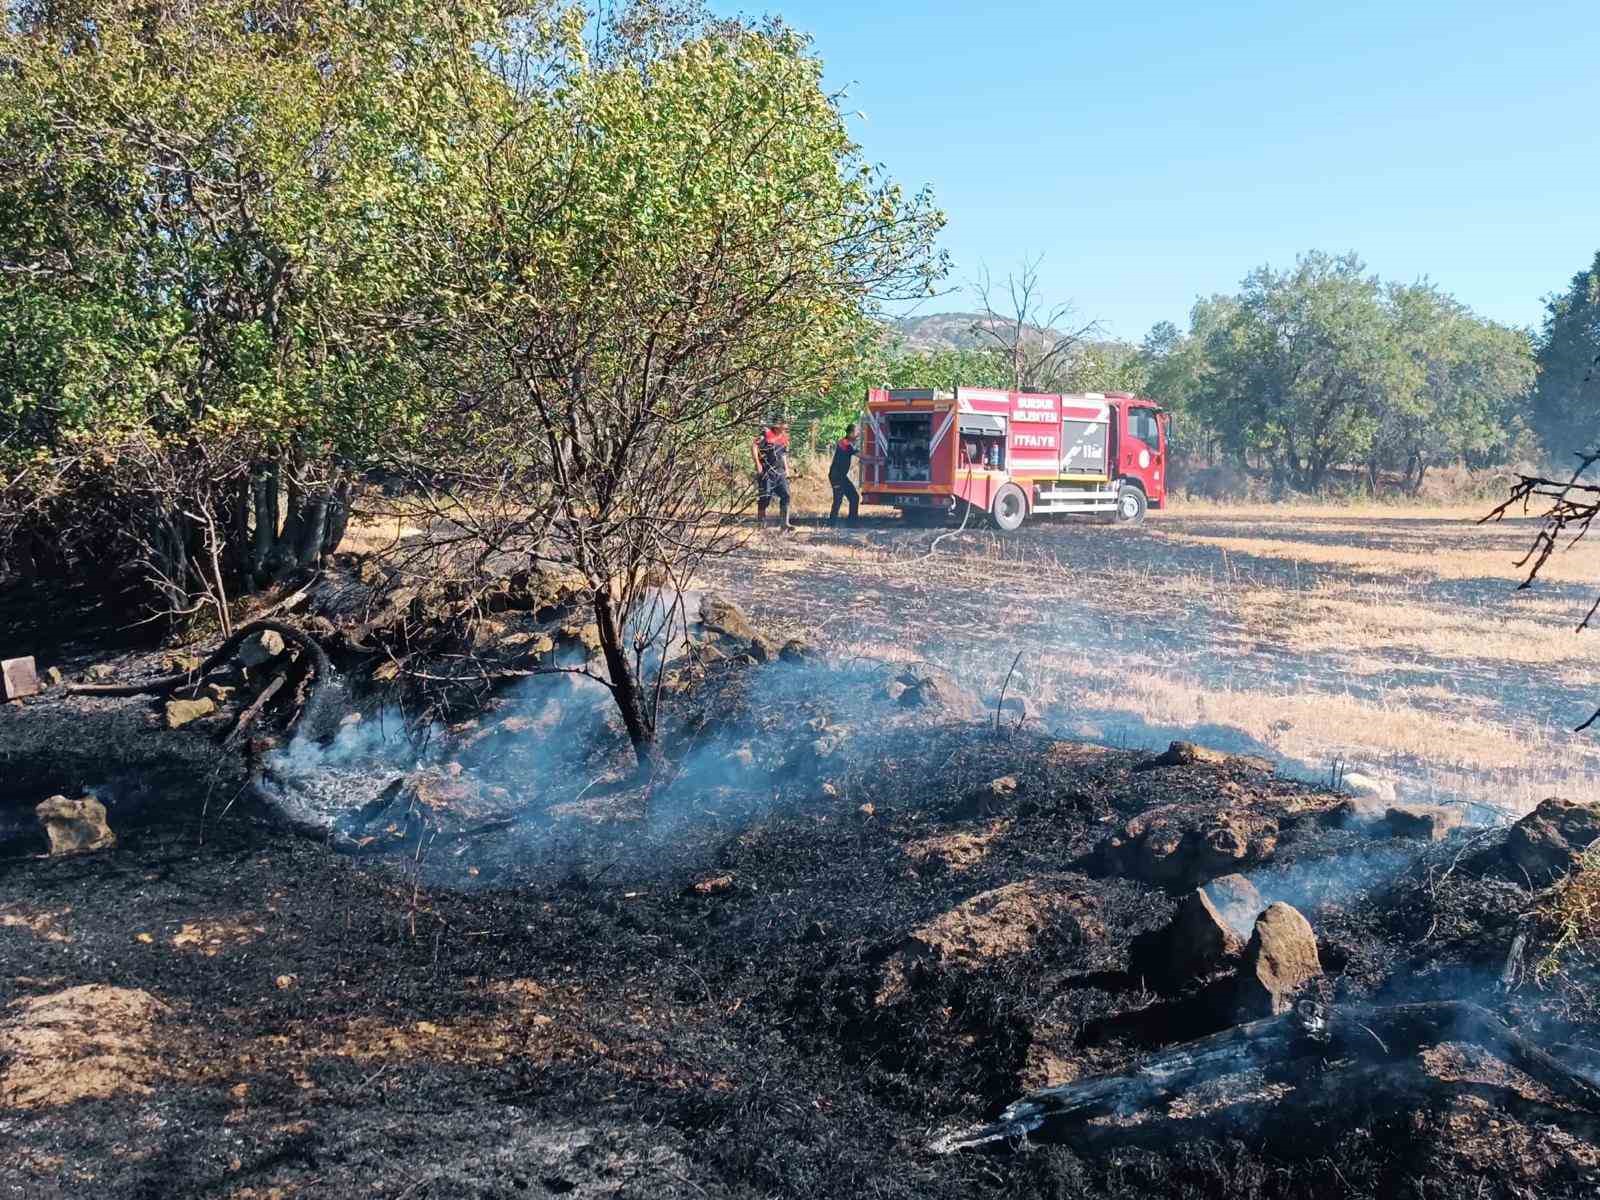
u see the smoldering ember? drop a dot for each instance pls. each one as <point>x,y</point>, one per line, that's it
<point>534,662</point>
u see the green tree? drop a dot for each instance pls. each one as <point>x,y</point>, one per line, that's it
<point>1293,369</point>
<point>1563,407</point>
<point>1456,391</point>
<point>1324,365</point>
<point>1176,375</point>
<point>206,283</point>
<point>649,246</point>
<point>1106,367</point>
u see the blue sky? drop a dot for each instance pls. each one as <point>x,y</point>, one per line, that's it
<point>1156,150</point>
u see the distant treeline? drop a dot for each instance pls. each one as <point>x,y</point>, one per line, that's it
<point>1307,373</point>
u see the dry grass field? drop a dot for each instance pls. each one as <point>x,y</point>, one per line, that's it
<point>1393,640</point>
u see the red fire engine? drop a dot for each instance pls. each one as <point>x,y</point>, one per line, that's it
<point>1012,454</point>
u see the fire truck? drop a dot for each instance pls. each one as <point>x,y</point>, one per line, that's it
<point>1014,454</point>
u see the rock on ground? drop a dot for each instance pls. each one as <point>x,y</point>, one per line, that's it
<point>1549,840</point>
<point>1431,822</point>
<point>720,615</point>
<point>18,678</point>
<point>1017,918</point>
<point>75,826</point>
<point>1187,754</point>
<point>1280,958</point>
<point>179,713</point>
<point>797,651</point>
<point>995,797</point>
<point>89,1042</point>
<point>261,648</point>
<point>1195,944</point>
<point>929,688</point>
<point>1183,846</point>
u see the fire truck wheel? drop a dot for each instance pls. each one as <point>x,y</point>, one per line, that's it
<point>1130,505</point>
<point>1009,509</point>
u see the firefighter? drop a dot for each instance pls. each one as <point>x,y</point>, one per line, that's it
<point>844,450</point>
<point>772,472</point>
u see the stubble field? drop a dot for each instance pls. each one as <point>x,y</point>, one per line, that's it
<point>1387,640</point>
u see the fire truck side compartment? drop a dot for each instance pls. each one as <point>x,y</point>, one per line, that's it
<point>983,441</point>
<point>1083,447</point>
<point>909,436</point>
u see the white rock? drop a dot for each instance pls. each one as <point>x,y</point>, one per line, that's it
<point>1357,784</point>
<point>18,678</point>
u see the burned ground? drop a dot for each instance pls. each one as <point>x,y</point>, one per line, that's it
<point>783,977</point>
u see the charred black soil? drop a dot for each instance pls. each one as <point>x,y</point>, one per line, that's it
<point>728,991</point>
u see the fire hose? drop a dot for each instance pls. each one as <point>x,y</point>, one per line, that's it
<point>934,545</point>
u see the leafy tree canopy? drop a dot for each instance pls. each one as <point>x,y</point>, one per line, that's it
<point>1565,405</point>
<point>1325,365</point>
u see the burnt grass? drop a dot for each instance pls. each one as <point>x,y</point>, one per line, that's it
<point>574,1018</point>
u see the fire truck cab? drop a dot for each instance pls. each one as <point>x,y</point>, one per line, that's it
<point>1014,454</point>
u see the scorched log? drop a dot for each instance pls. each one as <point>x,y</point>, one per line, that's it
<point>1280,1048</point>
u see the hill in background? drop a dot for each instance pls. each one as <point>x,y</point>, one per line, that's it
<point>962,331</point>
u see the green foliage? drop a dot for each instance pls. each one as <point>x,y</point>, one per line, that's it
<point>710,213</point>
<point>1176,375</point>
<point>1324,365</point>
<point>205,219</point>
<point>1455,388</point>
<point>1107,367</point>
<point>241,243</point>
<point>1566,399</point>
<point>1570,914</point>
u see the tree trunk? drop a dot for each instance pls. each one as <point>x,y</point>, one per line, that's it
<point>338,518</point>
<point>168,564</point>
<point>1420,463</point>
<point>264,489</point>
<point>1279,1047</point>
<point>293,522</point>
<point>624,687</point>
<point>42,557</point>
<point>312,519</point>
<point>312,528</point>
<point>236,529</point>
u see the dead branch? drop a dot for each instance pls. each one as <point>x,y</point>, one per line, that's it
<point>1278,1047</point>
<point>1026,333</point>
<point>256,705</point>
<point>1001,702</point>
<point>289,602</point>
<point>1574,506</point>
<point>322,665</point>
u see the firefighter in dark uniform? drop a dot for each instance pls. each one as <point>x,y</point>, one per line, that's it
<point>772,472</point>
<point>844,450</point>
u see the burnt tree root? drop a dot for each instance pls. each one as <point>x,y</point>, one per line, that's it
<point>1297,1047</point>
<point>320,664</point>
